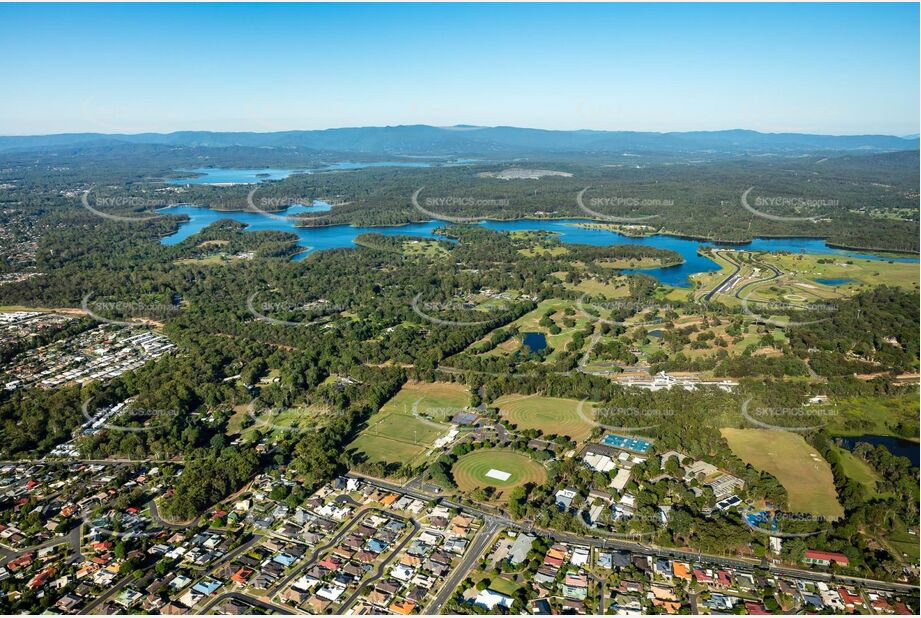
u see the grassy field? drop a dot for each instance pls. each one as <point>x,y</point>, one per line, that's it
<point>424,248</point>
<point>867,273</point>
<point>538,250</point>
<point>904,542</point>
<point>210,260</point>
<point>799,283</point>
<point>593,287</point>
<point>799,467</point>
<point>276,422</point>
<point>471,469</point>
<point>394,437</point>
<point>639,263</point>
<point>503,585</point>
<point>547,414</point>
<point>530,322</point>
<point>438,400</point>
<point>881,416</point>
<point>399,433</point>
<point>235,423</point>
<point>380,448</point>
<point>404,427</point>
<point>858,470</point>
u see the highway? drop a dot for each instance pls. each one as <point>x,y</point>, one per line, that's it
<point>725,281</point>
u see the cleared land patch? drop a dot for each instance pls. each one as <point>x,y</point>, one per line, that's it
<point>800,469</point>
<point>548,414</point>
<point>858,470</point>
<point>380,448</point>
<point>397,438</point>
<point>400,431</point>
<point>439,400</point>
<point>473,470</point>
<point>247,422</point>
<point>530,322</point>
<point>867,414</point>
<point>806,278</point>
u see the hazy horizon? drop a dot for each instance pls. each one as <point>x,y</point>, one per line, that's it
<point>459,126</point>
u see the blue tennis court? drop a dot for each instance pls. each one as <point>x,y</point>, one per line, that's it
<point>628,444</point>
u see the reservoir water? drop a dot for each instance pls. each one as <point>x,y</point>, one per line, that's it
<point>534,341</point>
<point>238,176</point>
<point>833,281</point>
<point>567,230</point>
<point>897,446</point>
<point>229,176</point>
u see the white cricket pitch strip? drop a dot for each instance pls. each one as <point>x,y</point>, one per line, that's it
<point>498,475</point>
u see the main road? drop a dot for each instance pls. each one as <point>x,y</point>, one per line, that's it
<point>725,281</point>
<point>650,550</point>
<point>480,542</point>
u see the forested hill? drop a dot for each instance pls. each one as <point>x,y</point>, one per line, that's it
<point>424,140</point>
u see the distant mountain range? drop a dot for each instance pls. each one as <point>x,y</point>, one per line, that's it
<point>461,140</point>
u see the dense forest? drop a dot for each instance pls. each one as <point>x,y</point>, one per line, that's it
<point>860,201</point>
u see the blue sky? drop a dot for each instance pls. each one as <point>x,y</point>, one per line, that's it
<point>840,69</point>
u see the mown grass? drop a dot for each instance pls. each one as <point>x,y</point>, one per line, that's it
<point>800,469</point>
<point>470,470</point>
<point>550,415</point>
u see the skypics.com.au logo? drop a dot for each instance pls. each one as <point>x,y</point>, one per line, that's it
<point>271,206</point>
<point>797,204</point>
<point>143,310</point>
<point>787,419</point>
<point>269,419</point>
<point>619,202</point>
<point>618,308</point>
<point>113,418</point>
<point>125,203</point>
<point>311,312</point>
<point>430,310</point>
<point>784,525</point>
<point>625,419</point>
<point>794,305</point>
<point>454,201</point>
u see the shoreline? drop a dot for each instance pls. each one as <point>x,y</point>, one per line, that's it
<point>680,235</point>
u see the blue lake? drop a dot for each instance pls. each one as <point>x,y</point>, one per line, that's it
<point>239,176</point>
<point>833,281</point>
<point>226,175</point>
<point>534,341</point>
<point>349,165</point>
<point>333,237</point>
<point>897,446</point>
